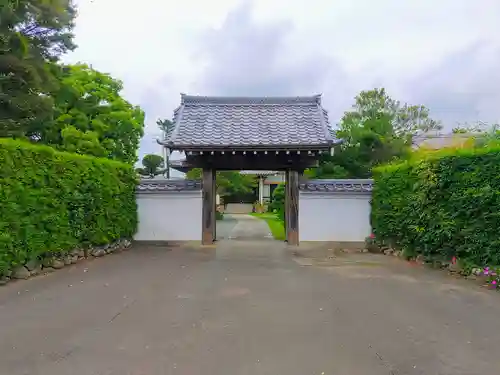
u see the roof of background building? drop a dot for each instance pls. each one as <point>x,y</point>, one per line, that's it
<point>437,141</point>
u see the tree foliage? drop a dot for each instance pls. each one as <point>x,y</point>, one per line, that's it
<point>377,130</point>
<point>228,182</point>
<point>406,120</point>
<point>34,33</point>
<point>92,118</point>
<point>54,202</point>
<point>73,108</point>
<point>165,125</point>
<point>152,166</point>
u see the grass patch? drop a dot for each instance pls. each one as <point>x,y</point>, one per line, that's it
<point>276,226</point>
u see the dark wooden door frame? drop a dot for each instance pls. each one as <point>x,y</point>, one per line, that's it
<point>292,207</point>
<point>209,193</point>
<point>208,206</point>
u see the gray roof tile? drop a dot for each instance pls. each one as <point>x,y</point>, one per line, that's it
<point>160,186</point>
<point>203,121</point>
<point>337,186</point>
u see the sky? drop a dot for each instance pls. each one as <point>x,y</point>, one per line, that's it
<point>444,54</point>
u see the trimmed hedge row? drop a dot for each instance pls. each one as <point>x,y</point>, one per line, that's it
<point>445,204</point>
<point>53,202</point>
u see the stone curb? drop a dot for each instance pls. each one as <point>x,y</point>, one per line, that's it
<point>48,265</point>
<point>452,269</point>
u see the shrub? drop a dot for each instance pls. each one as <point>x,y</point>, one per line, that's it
<point>53,202</point>
<point>259,207</point>
<point>277,204</point>
<point>443,204</point>
<point>371,244</point>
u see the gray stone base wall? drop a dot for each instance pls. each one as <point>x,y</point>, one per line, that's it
<point>50,264</point>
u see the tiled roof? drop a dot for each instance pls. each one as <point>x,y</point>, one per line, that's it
<point>204,122</point>
<point>159,186</point>
<point>337,186</point>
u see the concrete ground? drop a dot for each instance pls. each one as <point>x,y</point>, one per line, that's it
<point>241,226</point>
<point>247,308</point>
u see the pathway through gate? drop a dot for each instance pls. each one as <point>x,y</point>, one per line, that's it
<point>242,227</point>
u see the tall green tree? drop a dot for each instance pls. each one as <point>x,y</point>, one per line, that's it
<point>152,166</point>
<point>91,117</point>
<point>376,130</point>
<point>166,126</point>
<point>33,34</point>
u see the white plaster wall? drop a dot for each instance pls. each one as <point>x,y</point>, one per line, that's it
<point>334,216</point>
<point>169,216</point>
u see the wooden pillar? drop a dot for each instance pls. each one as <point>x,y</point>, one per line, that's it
<point>214,204</point>
<point>287,211</point>
<point>292,207</point>
<point>208,210</point>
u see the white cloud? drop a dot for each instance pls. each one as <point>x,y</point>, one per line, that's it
<point>443,54</point>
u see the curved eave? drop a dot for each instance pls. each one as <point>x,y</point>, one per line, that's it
<point>181,169</point>
<point>191,147</point>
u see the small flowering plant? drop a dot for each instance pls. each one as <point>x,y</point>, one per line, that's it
<point>371,244</point>
<point>493,276</point>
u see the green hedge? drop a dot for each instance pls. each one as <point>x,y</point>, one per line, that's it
<point>441,205</point>
<point>53,202</point>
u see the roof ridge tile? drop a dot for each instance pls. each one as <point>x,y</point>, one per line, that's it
<point>250,100</point>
